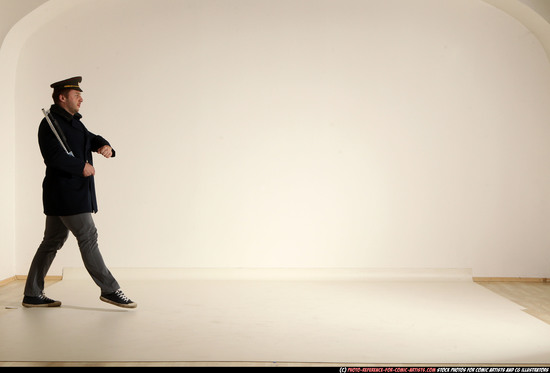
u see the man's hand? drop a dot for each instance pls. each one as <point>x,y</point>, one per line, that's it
<point>105,151</point>
<point>89,170</point>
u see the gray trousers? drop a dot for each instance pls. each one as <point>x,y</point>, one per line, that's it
<point>56,233</point>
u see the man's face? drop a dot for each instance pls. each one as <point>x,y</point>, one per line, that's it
<point>72,102</point>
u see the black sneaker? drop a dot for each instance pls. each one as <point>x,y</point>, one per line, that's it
<point>118,299</point>
<point>40,301</point>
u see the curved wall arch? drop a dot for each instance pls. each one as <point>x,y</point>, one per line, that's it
<point>533,14</point>
<point>10,48</point>
<point>299,134</point>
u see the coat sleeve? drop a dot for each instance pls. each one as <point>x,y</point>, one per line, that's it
<point>98,141</point>
<point>53,153</point>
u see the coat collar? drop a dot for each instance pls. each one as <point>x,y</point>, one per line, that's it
<point>63,113</point>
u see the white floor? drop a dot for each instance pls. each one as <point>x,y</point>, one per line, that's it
<point>269,316</point>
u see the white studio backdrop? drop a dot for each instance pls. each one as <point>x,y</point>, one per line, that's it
<point>299,133</point>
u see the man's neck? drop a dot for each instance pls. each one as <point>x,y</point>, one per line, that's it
<point>62,111</point>
<point>64,107</point>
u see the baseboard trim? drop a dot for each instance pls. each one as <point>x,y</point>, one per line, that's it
<point>511,279</point>
<point>53,278</point>
<point>475,279</point>
<point>7,280</point>
<point>24,277</point>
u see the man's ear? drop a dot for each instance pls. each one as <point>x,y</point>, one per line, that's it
<point>62,97</point>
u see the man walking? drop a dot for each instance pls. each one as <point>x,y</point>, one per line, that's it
<point>68,195</point>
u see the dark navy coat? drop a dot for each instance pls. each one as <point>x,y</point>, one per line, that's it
<point>65,191</point>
